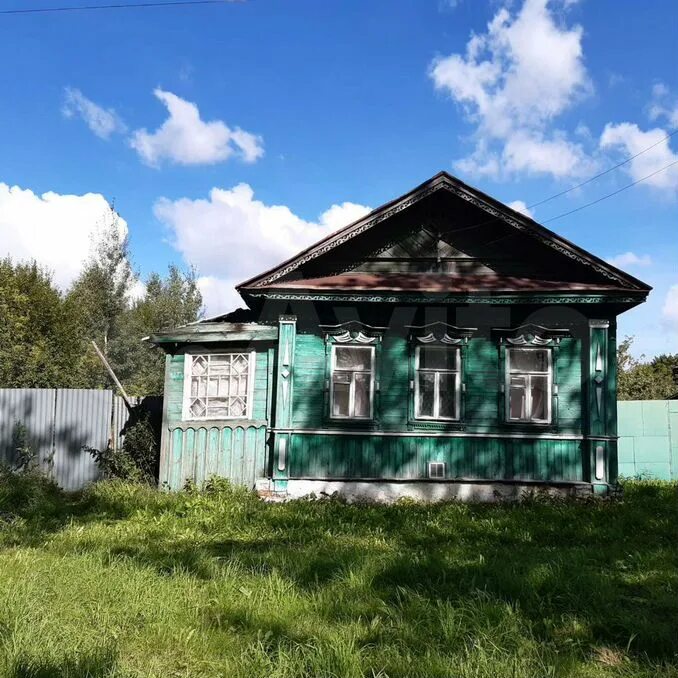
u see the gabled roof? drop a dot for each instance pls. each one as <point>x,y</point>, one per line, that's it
<point>495,211</point>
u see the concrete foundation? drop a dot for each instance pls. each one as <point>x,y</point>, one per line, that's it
<point>425,491</point>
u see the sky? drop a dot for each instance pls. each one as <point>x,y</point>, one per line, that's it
<point>231,136</point>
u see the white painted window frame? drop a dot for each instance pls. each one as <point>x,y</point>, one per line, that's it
<point>351,396</point>
<point>436,388</point>
<point>188,364</point>
<point>528,390</point>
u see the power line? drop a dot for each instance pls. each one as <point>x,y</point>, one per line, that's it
<point>583,183</point>
<point>122,5</point>
<point>609,195</point>
<point>607,171</point>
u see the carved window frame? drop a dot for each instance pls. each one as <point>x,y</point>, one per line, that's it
<point>529,336</point>
<point>190,359</point>
<point>352,334</point>
<point>457,372</point>
<point>527,375</point>
<point>438,334</point>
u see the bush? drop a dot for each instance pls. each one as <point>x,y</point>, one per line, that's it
<point>137,460</point>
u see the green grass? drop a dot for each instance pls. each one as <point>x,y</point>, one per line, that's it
<point>126,581</point>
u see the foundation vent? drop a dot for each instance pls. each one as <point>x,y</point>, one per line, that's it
<point>436,469</point>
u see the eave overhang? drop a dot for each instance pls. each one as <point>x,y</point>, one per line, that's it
<point>444,181</point>
<point>625,297</point>
<point>208,332</point>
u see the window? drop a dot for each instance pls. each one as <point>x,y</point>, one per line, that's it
<point>529,385</point>
<point>218,386</point>
<point>352,383</point>
<point>437,382</point>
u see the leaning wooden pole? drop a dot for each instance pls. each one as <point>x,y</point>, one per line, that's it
<point>123,393</point>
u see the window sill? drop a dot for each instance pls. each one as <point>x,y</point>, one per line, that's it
<point>435,425</point>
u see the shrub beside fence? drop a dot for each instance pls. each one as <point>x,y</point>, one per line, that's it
<point>58,425</point>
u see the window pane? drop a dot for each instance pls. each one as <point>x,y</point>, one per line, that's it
<point>213,386</point>
<point>528,360</point>
<point>448,395</point>
<point>218,408</point>
<point>517,398</point>
<point>340,396</point>
<point>199,365</point>
<point>362,395</point>
<point>436,357</point>
<point>197,408</point>
<point>237,407</point>
<point>426,394</point>
<point>353,358</point>
<point>539,394</point>
<point>220,365</point>
<point>239,364</point>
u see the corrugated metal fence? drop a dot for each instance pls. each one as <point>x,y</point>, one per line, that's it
<point>648,438</point>
<point>58,425</point>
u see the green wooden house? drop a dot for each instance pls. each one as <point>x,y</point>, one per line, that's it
<point>444,345</point>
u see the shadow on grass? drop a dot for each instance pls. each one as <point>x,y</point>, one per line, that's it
<point>99,664</point>
<point>610,568</point>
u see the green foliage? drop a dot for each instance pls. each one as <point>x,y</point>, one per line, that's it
<point>137,460</point>
<point>166,303</point>
<point>122,580</point>
<point>638,380</point>
<point>45,337</point>
<point>39,342</point>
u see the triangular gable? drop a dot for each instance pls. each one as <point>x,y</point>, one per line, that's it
<point>427,243</point>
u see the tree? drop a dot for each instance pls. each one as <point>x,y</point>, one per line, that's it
<point>169,302</point>
<point>639,380</point>
<point>40,346</point>
<point>100,297</point>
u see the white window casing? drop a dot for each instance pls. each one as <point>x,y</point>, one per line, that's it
<point>524,400</point>
<point>348,382</point>
<point>218,385</point>
<point>440,377</point>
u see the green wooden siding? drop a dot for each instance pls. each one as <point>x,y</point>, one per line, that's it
<point>406,458</point>
<point>196,450</point>
<point>483,401</point>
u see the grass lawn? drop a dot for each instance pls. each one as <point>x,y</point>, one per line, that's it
<point>126,581</point>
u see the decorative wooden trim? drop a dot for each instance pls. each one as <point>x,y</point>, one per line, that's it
<point>353,331</point>
<point>448,183</point>
<point>531,334</point>
<point>451,299</point>
<point>440,332</point>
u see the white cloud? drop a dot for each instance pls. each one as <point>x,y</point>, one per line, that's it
<point>630,259</point>
<point>232,236</point>
<point>520,206</point>
<point>512,82</point>
<point>663,105</point>
<point>55,230</point>
<point>630,139</point>
<point>102,121</point>
<point>670,308</point>
<point>185,139</point>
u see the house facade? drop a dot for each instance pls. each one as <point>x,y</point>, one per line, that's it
<point>442,346</point>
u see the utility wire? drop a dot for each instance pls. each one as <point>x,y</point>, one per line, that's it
<point>588,204</point>
<point>604,172</point>
<point>609,195</point>
<point>122,5</point>
<point>583,183</point>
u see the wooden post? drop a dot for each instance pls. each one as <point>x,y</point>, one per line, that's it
<point>282,418</point>
<point>123,393</point>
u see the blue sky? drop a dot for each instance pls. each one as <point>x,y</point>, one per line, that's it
<point>230,136</point>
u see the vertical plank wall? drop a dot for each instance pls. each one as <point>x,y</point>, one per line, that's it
<point>379,455</point>
<point>196,450</point>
